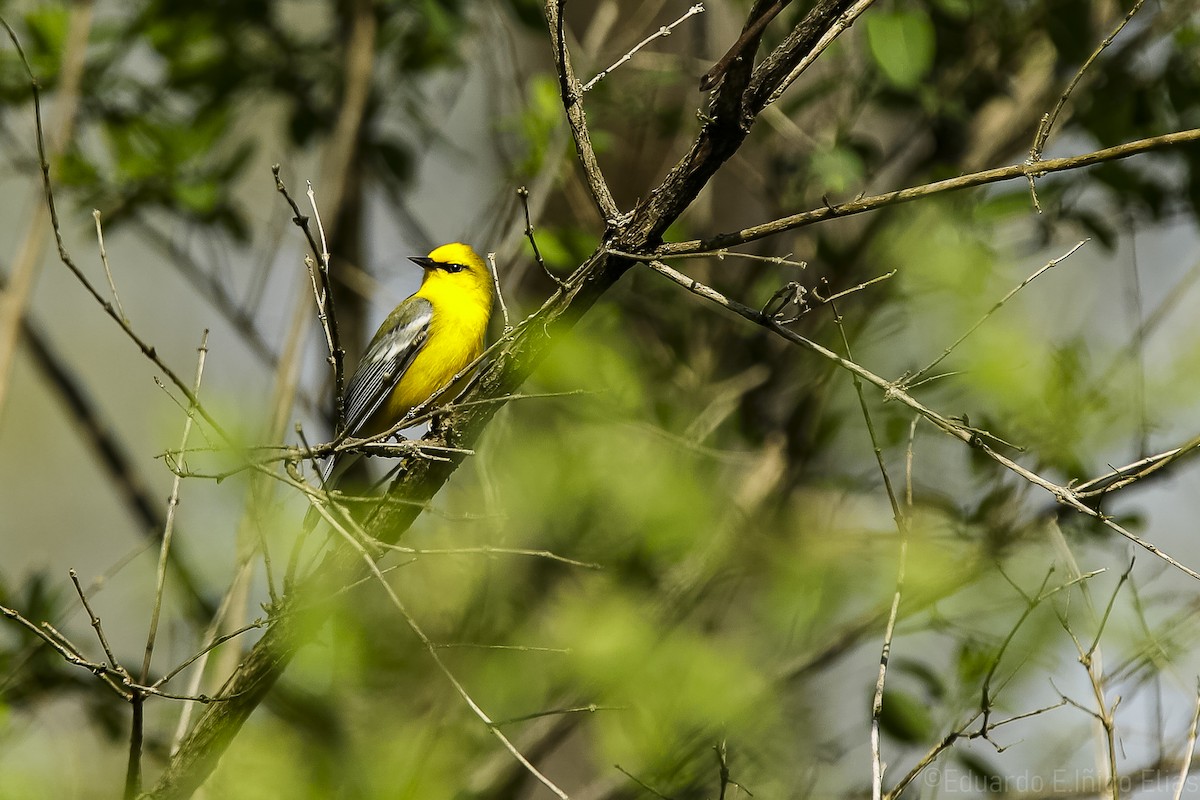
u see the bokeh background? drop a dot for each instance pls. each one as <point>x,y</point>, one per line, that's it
<point>711,554</point>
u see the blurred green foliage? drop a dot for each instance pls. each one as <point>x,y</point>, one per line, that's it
<point>902,44</point>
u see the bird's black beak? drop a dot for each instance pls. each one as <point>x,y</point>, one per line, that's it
<point>424,262</point>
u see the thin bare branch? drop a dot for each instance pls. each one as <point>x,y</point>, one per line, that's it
<point>133,772</point>
<point>864,204</point>
<point>95,622</point>
<point>69,652</point>
<point>665,30</point>
<point>523,194</point>
<point>1048,119</point>
<point>1054,262</point>
<point>491,260</point>
<point>112,286</point>
<point>843,22</point>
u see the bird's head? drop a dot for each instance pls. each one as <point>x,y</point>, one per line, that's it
<point>456,272</point>
<point>455,264</point>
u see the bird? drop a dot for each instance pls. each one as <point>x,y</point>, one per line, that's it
<point>428,339</point>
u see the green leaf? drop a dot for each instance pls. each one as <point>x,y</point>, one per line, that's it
<point>984,775</point>
<point>197,196</point>
<point>905,717</point>
<point>837,171</point>
<point>957,9</point>
<point>973,663</point>
<point>902,44</point>
<point>47,29</point>
<point>923,673</point>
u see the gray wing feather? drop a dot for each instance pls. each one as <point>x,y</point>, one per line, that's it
<point>385,361</point>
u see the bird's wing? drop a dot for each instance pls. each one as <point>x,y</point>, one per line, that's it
<point>386,359</point>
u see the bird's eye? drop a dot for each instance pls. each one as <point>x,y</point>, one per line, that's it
<point>453,267</point>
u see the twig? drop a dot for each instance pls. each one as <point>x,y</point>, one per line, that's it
<point>808,35</point>
<point>640,782</point>
<point>1031,603</point>
<point>843,22</point>
<point>590,708</point>
<point>858,288</point>
<point>489,550</point>
<point>1054,262</point>
<point>877,765</point>
<point>322,293</point>
<point>169,530</point>
<point>69,652</point>
<point>312,201</point>
<point>519,648</point>
<point>95,621</point>
<point>104,260</point>
<point>1091,661</point>
<point>208,648</point>
<point>661,32</point>
<point>723,772</point>
<point>491,260</point>
<point>1139,470</point>
<point>133,773</point>
<point>1109,607</point>
<point>970,180</point>
<point>523,193</point>
<point>1048,120</point>
<point>1186,765</point>
<point>328,317</point>
<point>720,255</point>
<point>298,219</point>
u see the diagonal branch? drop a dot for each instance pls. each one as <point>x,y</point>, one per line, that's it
<point>814,33</point>
<point>572,98</point>
<point>731,114</point>
<point>968,181</point>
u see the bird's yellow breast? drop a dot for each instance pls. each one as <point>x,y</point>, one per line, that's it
<point>462,305</point>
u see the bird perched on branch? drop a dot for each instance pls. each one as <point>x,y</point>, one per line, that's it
<point>427,340</point>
